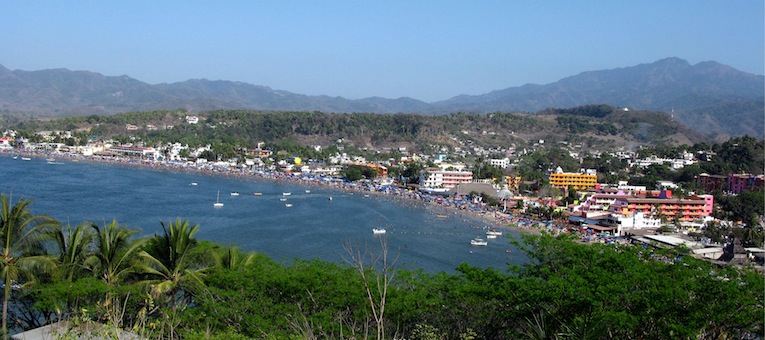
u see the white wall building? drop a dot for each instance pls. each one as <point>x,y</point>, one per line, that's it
<point>435,178</point>
<point>638,221</point>
<point>192,119</point>
<point>502,163</point>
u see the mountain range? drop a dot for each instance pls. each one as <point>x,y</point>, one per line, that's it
<point>709,97</point>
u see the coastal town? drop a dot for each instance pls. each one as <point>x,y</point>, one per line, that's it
<point>662,214</point>
<point>413,170</point>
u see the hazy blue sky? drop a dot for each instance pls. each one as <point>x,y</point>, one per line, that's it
<point>429,50</point>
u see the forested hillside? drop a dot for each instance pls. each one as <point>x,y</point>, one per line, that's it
<point>592,125</point>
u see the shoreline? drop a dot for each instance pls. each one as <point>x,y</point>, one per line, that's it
<point>452,208</point>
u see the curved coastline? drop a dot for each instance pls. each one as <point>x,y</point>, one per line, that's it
<point>438,205</point>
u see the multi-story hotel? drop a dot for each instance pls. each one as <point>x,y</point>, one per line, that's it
<point>573,180</point>
<point>683,209</point>
<point>436,178</point>
<point>134,151</point>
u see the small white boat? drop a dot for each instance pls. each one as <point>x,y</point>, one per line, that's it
<point>288,205</point>
<point>489,236</point>
<point>217,203</point>
<point>26,159</point>
<point>495,233</point>
<point>257,193</point>
<point>330,198</point>
<point>478,242</point>
<point>286,193</point>
<point>378,231</point>
<point>234,194</point>
<point>307,191</point>
<point>193,184</point>
<point>15,157</point>
<point>282,199</point>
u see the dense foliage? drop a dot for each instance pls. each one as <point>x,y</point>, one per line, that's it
<point>170,285</point>
<point>591,124</point>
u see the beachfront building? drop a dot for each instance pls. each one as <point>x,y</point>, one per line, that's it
<point>666,207</point>
<point>574,180</point>
<point>134,152</point>
<point>5,142</point>
<point>627,224</point>
<point>436,178</point>
<point>600,202</point>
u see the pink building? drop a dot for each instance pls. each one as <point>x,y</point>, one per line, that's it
<point>684,209</point>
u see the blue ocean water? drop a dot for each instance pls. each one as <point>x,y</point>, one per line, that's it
<point>314,227</point>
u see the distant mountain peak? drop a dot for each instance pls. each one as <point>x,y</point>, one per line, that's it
<point>704,95</point>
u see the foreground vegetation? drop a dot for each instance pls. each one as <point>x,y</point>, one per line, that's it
<point>172,285</point>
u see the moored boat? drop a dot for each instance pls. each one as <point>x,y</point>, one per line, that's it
<point>257,193</point>
<point>478,242</point>
<point>217,203</point>
<point>286,193</point>
<point>288,205</point>
<point>234,194</point>
<point>378,231</point>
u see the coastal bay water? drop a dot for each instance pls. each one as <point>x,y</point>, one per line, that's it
<point>315,226</point>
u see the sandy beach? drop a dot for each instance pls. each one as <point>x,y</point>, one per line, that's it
<point>439,205</point>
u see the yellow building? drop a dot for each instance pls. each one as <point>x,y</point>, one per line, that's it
<point>573,180</point>
<point>513,182</point>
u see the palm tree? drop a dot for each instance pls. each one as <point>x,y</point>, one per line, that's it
<point>169,259</point>
<point>114,253</point>
<point>232,258</point>
<point>22,246</point>
<point>72,249</point>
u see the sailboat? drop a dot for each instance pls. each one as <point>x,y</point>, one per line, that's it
<point>217,203</point>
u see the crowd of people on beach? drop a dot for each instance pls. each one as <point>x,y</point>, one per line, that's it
<point>459,206</point>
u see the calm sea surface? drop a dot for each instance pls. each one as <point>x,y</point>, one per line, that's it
<point>314,227</point>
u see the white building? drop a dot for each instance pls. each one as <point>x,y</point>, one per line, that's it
<point>134,151</point>
<point>435,178</point>
<point>502,163</point>
<point>637,221</point>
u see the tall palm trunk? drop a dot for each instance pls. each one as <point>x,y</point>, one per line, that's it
<point>6,298</point>
<point>21,247</point>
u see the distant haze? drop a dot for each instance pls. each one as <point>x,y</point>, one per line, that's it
<point>709,97</point>
<point>427,50</point>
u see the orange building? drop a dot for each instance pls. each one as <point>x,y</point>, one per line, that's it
<point>573,180</point>
<point>682,209</point>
